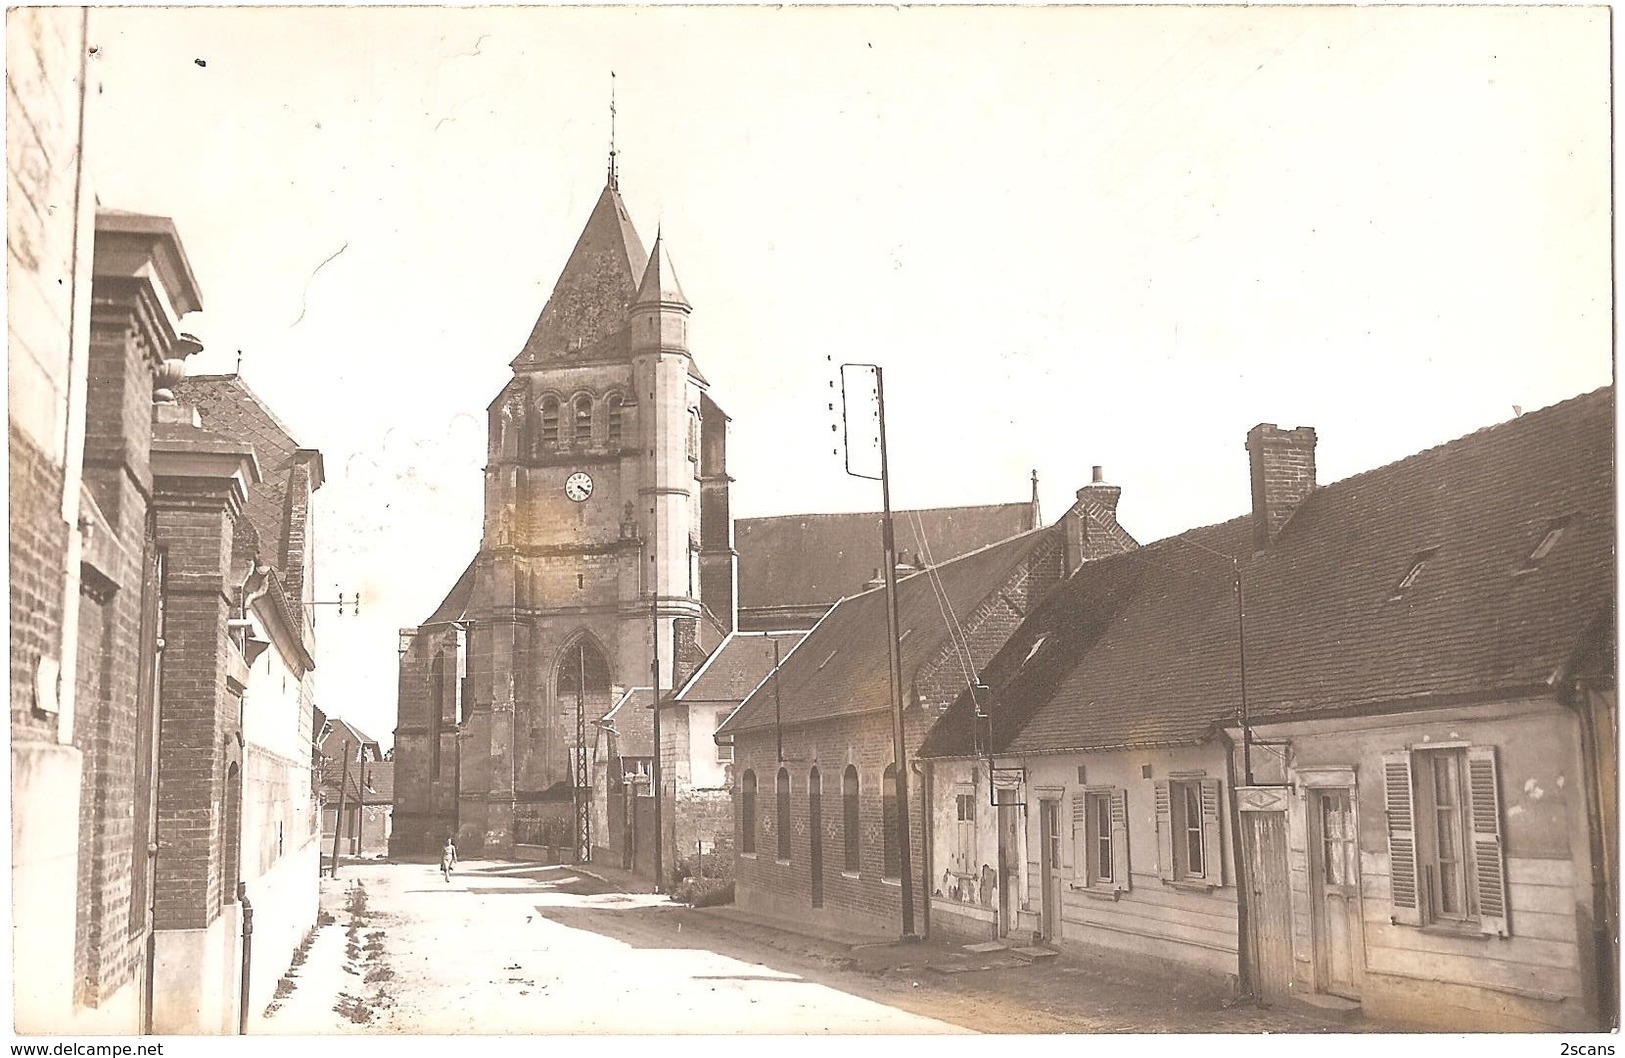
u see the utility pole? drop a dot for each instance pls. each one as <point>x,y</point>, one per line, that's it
<point>889,549</point>
<point>654,673</point>
<point>338,820</point>
<point>583,804</point>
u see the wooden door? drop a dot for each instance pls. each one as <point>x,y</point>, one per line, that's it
<point>1009,867</point>
<point>1269,908</point>
<point>815,822</point>
<point>1049,825</point>
<point>1334,879</point>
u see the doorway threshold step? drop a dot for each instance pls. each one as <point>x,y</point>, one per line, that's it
<point>986,946</point>
<point>1327,1005</point>
<point>1032,954</point>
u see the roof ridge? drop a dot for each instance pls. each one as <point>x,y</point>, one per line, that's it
<point>881,514</point>
<point>1520,421</point>
<point>945,563</point>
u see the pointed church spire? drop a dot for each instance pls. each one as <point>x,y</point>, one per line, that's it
<point>614,179</point>
<point>660,286</point>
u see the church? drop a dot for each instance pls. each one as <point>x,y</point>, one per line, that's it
<point>607,559</point>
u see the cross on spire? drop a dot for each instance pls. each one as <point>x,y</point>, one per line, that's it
<point>614,182</point>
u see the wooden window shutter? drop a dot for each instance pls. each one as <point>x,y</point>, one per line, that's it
<point>1165,833</point>
<point>1489,857</point>
<point>1120,878</point>
<point>1397,792</point>
<point>1212,832</point>
<point>1080,838</point>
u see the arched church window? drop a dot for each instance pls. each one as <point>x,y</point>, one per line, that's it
<point>747,812</point>
<point>612,407</point>
<point>582,670</point>
<point>550,421</point>
<point>582,432</point>
<point>693,435</point>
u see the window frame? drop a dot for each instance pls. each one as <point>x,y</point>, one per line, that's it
<point>1412,810</point>
<point>550,421</point>
<point>891,857</point>
<point>614,422</point>
<point>1176,797</point>
<point>851,833</point>
<point>1100,834</point>
<point>964,830</point>
<point>747,813</point>
<point>781,821</point>
<point>581,416</point>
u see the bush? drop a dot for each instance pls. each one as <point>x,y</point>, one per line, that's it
<point>704,892</point>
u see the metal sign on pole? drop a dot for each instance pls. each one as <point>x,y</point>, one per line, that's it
<point>863,403</point>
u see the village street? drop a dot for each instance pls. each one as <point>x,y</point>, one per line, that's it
<point>508,948</point>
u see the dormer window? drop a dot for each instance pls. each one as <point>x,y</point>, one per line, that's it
<point>1548,541</point>
<point>581,434</point>
<point>1418,563</point>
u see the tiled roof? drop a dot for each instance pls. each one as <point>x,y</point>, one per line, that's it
<point>841,667</point>
<point>454,607</point>
<point>802,559</point>
<point>226,406</point>
<point>1143,648</point>
<point>379,788</point>
<point>339,731</point>
<point>737,666</point>
<point>634,722</point>
<point>595,287</point>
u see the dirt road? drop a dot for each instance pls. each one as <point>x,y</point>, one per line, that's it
<point>522,949</point>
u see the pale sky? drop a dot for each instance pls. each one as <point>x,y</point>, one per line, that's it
<point>1116,236</point>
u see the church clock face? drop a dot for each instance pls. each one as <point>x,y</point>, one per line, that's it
<point>578,486</point>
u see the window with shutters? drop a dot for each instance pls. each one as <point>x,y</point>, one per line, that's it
<point>1100,838</point>
<point>1188,832</point>
<point>1446,860</point>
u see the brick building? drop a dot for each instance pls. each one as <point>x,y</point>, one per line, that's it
<point>607,543</point>
<point>817,837</point>
<point>50,225</point>
<point>128,608</point>
<point>234,492</point>
<point>350,758</point>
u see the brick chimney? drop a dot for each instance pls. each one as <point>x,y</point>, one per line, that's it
<point>1283,474</point>
<point>1091,525</point>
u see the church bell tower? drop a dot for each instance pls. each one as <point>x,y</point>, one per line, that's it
<point>607,536</point>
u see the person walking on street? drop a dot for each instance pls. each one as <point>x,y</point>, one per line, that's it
<point>448,859</point>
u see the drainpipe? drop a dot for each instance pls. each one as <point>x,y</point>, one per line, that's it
<point>927,827</point>
<point>1244,969</point>
<point>248,951</point>
<point>1602,907</point>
